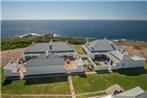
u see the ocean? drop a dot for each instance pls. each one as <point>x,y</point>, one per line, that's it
<point>111,29</point>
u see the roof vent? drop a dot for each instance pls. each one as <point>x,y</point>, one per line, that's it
<point>50,47</point>
<point>105,38</point>
<point>66,42</point>
<point>46,53</point>
<point>121,50</point>
<point>33,43</point>
<point>50,44</point>
<point>92,48</point>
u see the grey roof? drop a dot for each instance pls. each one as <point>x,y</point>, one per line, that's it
<point>119,55</point>
<point>52,55</point>
<point>11,65</point>
<point>113,58</point>
<point>116,47</point>
<point>56,47</point>
<point>102,45</point>
<point>132,92</point>
<point>45,61</point>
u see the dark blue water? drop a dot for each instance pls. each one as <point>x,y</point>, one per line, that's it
<point>112,29</point>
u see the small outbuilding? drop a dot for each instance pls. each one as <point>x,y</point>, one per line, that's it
<point>136,92</point>
<point>11,69</point>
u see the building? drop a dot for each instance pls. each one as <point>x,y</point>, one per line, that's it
<point>42,65</point>
<point>61,57</point>
<point>46,58</point>
<point>136,92</point>
<point>105,55</point>
<point>11,69</point>
<point>58,48</point>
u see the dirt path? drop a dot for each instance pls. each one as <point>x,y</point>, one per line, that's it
<point>55,95</point>
<point>9,55</point>
<point>71,86</point>
<point>41,95</point>
<point>88,93</point>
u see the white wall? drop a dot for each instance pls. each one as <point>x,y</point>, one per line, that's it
<point>129,64</point>
<point>133,63</point>
<point>119,65</point>
<point>115,67</point>
<point>44,70</point>
<point>80,68</point>
<point>99,68</point>
<point>9,73</point>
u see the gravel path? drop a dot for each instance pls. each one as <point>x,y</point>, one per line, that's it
<point>71,86</point>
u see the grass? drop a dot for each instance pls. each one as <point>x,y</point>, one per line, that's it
<point>85,59</point>
<point>12,43</point>
<point>34,97</point>
<point>126,79</point>
<point>145,66</point>
<point>79,49</point>
<point>97,63</point>
<point>49,85</point>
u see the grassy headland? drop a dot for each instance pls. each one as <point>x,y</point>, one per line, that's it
<point>12,43</point>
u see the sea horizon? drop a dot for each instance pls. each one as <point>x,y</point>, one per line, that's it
<point>97,29</point>
<point>73,19</point>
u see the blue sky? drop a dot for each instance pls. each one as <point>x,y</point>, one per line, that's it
<point>118,10</point>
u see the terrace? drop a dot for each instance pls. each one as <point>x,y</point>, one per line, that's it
<point>102,60</point>
<point>70,64</point>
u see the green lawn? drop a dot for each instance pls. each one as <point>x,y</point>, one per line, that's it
<point>145,66</point>
<point>79,49</point>
<point>85,59</point>
<point>49,85</point>
<point>126,79</point>
<point>97,63</point>
<point>36,97</point>
<point>13,43</point>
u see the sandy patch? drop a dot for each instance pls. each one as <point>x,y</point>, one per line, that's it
<point>8,55</point>
<point>129,47</point>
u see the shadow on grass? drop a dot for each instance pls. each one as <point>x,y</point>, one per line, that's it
<point>6,82</point>
<point>102,72</point>
<point>44,80</point>
<point>83,75</point>
<point>132,71</point>
<point>80,74</point>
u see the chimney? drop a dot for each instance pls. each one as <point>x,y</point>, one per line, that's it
<point>47,54</point>
<point>66,42</point>
<point>33,43</point>
<point>50,44</point>
<point>50,47</point>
